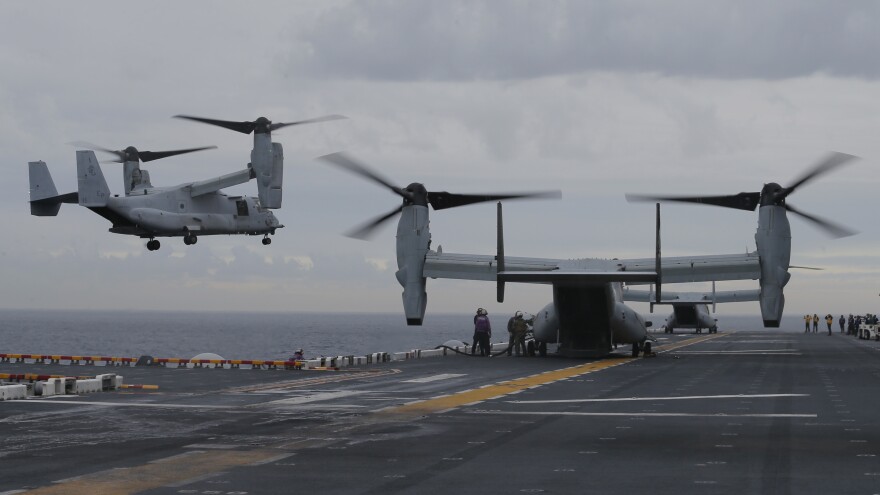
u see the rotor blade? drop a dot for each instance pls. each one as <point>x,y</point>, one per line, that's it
<point>743,201</point>
<point>805,267</point>
<point>245,127</point>
<point>831,228</point>
<point>346,162</point>
<point>442,200</point>
<point>325,118</point>
<point>148,156</point>
<point>84,144</point>
<point>366,230</point>
<point>832,161</point>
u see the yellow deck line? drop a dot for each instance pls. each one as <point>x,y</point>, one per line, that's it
<point>157,474</point>
<point>439,404</point>
<point>177,469</point>
<point>690,341</point>
<point>504,388</point>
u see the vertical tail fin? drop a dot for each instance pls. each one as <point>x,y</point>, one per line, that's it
<point>45,200</point>
<point>93,190</point>
<point>657,261</point>
<point>499,258</point>
<point>42,185</point>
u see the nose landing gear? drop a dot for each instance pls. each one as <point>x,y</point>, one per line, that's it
<point>153,245</point>
<point>266,240</point>
<point>190,239</point>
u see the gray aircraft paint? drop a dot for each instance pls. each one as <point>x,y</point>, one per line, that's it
<point>187,210</point>
<point>413,242</point>
<point>773,239</point>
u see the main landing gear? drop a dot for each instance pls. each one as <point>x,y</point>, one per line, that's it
<point>190,239</point>
<point>266,240</point>
<point>643,347</point>
<point>153,245</point>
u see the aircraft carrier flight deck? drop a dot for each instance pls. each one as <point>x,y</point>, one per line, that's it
<point>745,411</point>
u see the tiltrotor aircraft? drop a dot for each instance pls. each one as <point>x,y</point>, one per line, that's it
<point>187,210</point>
<point>588,316</point>
<point>691,309</point>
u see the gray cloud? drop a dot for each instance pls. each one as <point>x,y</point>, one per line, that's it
<point>640,102</point>
<point>466,40</point>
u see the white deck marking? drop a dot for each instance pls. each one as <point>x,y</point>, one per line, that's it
<point>760,341</point>
<point>434,378</point>
<point>654,415</point>
<point>277,458</point>
<point>305,399</point>
<point>685,397</point>
<point>780,352</point>
<point>122,404</point>
<point>738,351</point>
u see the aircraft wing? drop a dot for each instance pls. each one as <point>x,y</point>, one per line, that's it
<point>633,271</point>
<point>531,270</point>
<point>217,183</point>
<point>670,297</point>
<point>701,268</point>
<point>479,267</point>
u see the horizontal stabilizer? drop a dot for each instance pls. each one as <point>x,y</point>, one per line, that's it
<point>673,298</point>
<point>576,277</point>
<point>49,207</point>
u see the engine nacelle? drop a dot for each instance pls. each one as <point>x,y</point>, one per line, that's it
<point>413,242</point>
<point>267,160</point>
<point>773,240</point>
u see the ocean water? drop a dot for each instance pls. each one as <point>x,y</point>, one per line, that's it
<point>251,335</point>
<point>231,335</point>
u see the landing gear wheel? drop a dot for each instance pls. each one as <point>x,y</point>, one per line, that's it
<point>542,349</point>
<point>713,330</point>
<point>647,349</point>
<point>153,245</point>
<point>699,330</point>
<point>190,239</point>
<point>635,350</point>
<point>267,241</point>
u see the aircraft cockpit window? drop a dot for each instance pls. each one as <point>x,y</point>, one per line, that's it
<point>241,206</point>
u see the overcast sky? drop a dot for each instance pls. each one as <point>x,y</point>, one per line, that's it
<point>594,98</point>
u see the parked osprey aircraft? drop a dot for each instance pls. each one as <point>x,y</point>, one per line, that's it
<point>588,315</point>
<point>691,309</point>
<point>187,210</point>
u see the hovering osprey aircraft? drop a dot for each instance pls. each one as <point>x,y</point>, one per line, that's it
<point>587,316</point>
<point>187,210</point>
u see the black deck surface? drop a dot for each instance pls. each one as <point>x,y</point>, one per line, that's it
<point>742,412</point>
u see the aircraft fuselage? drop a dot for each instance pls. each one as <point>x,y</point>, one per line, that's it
<point>690,316</point>
<point>587,321</point>
<point>174,212</point>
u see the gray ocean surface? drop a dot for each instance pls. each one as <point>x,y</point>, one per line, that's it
<point>252,335</point>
